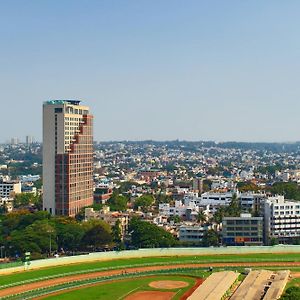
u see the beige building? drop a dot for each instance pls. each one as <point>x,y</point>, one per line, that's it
<point>67,157</point>
<point>10,188</point>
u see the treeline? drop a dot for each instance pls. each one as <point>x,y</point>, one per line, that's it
<point>43,235</point>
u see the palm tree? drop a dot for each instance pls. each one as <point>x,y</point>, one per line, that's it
<point>201,217</point>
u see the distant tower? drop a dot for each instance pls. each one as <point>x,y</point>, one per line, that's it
<point>67,157</point>
<point>198,185</point>
<point>29,140</point>
<point>14,141</point>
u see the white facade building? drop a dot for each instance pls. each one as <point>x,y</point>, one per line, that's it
<point>282,218</point>
<point>216,199</point>
<point>178,209</point>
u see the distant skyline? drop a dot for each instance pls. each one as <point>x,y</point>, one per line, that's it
<point>160,70</point>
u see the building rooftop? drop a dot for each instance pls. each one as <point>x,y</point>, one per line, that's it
<point>63,101</point>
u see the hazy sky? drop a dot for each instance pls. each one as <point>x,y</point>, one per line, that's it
<point>155,69</point>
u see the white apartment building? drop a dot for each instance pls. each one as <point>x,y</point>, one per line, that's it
<point>216,199</point>
<point>282,218</point>
<point>179,209</point>
<point>9,188</point>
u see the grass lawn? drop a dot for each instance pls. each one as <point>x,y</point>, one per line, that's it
<point>120,289</point>
<point>93,266</point>
<point>293,282</point>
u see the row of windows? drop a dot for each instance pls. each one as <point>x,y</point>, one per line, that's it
<point>229,234</point>
<point>242,222</point>
<point>287,207</point>
<point>241,228</point>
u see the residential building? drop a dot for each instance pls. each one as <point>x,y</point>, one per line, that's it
<point>29,140</point>
<point>193,233</point>
<point>252,202</point>
<point>282,219</point>
<point>67,157</point>
<point>10,188</point>
<point>14,141</point>
<point>242,231</point>
<point>102,193</point>
<point>179,209</point>
<point>211,198</point>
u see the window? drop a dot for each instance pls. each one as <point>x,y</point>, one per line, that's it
<point>58,110</point>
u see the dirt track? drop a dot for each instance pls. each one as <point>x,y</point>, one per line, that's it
<point>57,281</point>
<point>168,284</point>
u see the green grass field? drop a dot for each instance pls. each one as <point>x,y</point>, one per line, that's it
<point>120,289</point>
<point>60,271</point>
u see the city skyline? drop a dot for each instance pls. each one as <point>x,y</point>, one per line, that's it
<point>159,70</point>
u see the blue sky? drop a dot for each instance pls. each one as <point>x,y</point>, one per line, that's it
<point>159,69</point>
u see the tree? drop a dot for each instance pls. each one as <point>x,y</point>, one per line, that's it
<point>175,219</point>
<point>201,217</point>
<point>292,293</point>
<point>247,187</point>
<point>116,232</point>
<point>97,234</point>
<point>219,215</point>
<point>210,238</point>
<point>117,202</point>
<point>148,235</point>
<point>144,202</point>
<point>290,190</point>
<point>37,238</point>
<point>69,234</point>
<point>126,186</point>
<point>163,198</point>
<point>234,209</point>
<point>26,199</point>
<point>274,241</point>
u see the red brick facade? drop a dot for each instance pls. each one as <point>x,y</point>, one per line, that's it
<point>74,172</point>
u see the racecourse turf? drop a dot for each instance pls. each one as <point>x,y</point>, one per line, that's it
<point>60,271</point>
<point>121,289</point>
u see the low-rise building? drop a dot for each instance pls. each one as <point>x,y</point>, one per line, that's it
<point>102,193</point>
<point>193,233</point>
<point>252,202</point>
<point>10,188</point>
<point>242,231</point>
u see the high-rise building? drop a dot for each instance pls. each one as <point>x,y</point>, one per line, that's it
<point>14,141</point>
<point>29,140</point>
<point>67,157</point>
<point>198,185</point>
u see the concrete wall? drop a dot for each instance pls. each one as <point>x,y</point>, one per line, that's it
<point>102,256</point>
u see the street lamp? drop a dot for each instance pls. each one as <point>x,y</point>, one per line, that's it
<point>2,247</point>
<point>50,230</point>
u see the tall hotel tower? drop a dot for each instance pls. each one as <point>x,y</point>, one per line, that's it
<point>67,157</point>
